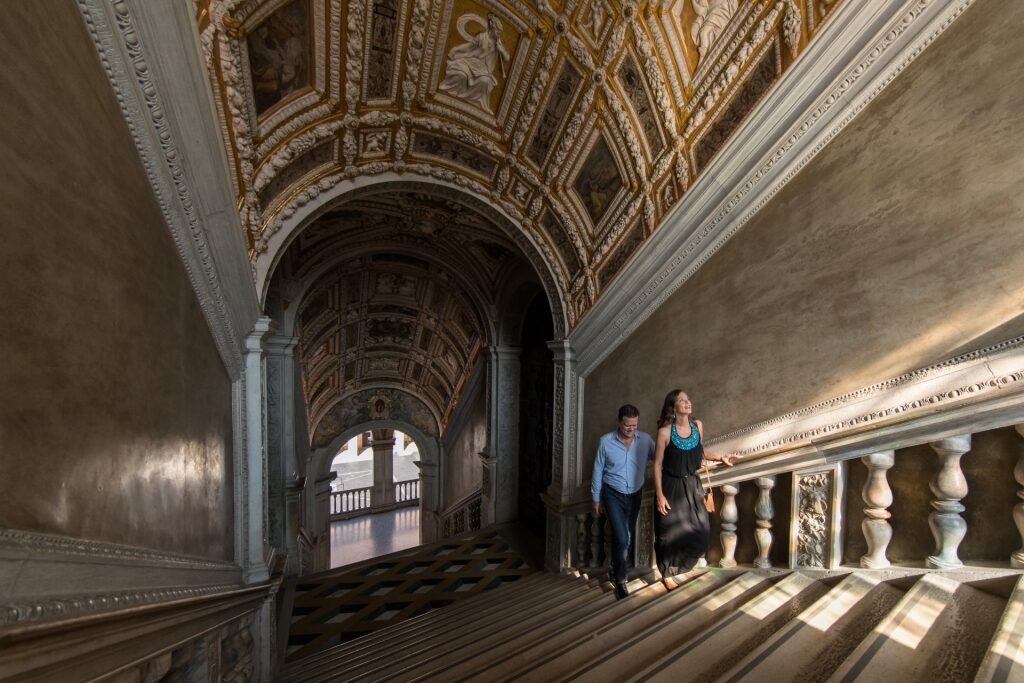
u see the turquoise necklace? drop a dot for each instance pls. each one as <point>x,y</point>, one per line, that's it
<point>689,442</point>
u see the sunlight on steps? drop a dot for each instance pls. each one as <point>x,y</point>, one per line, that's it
<point>768,626</point>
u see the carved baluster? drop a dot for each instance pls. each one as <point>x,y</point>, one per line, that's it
<point>595,540</point>
<point>730,516</point>
<point>765,513</point>
<point>1017,558</point>
<point>949,487</point>
<point>877,497</point>
<point>581,540</point>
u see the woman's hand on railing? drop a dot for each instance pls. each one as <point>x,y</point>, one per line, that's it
<point>730,459</point>
<point>663,506</point>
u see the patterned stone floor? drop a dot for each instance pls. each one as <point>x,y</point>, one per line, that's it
<point>343,604</point>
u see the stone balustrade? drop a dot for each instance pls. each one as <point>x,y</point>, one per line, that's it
<point>819,533</point>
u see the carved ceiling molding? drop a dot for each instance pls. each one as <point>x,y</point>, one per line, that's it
<point>139,47</point>
<point>385,87</point>
<point>977,391</point>
<point>862,48</point>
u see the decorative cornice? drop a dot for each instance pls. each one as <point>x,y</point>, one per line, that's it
<point>866,46</point>
<point>132,67</point>
<point>68,607</point>
<point>51,544</point>
<point>976,391</point>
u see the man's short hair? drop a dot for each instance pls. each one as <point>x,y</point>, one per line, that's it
<point>628,410</point>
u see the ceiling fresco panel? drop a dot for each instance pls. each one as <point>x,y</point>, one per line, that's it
<point>279,55</point>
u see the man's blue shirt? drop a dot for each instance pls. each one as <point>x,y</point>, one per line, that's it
<point>620,467</point>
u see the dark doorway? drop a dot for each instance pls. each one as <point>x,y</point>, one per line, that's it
<point>536,405</point>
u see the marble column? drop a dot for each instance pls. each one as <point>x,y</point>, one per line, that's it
<point>877,498</point>
<point>729,515</point>
<point>949,486</point>
<point>252,479</point>
<point>1017,558</point>
<point>503,435</point>
<point>383,496</point>
<point>765,513</point>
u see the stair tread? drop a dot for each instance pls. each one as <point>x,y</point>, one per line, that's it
<point>563,661</point>
<point>673,629</point>
<point>924,637</point>
<point>469,608</point>
<point>815,643</point>
<point>703,656</point>
<point>1004,659</point>
<point>492,663</point>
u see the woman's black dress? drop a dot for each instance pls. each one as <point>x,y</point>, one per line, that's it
<point>681,537</point>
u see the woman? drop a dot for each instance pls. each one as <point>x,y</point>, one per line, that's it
<point>681,528</point>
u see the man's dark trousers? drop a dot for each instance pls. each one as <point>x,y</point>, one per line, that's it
<point>622,511</point>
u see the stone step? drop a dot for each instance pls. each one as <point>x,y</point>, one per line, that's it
<point>424,636</point>
<point>814,644</point>
<point>502,660</point>
<point>620,661</point>
<point>939,631</point>
<point>467,610</point>
<point>708,652</point>
<point>403,664</point>
<point>576,653</point>
<point>1004,659</point>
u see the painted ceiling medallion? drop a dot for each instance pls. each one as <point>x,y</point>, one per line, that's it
<point>379,406</point>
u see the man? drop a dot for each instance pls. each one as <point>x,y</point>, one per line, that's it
<point>617,486</point>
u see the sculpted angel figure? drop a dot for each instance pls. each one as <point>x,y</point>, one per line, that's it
<point>712,17</point>
<point>470,71</point>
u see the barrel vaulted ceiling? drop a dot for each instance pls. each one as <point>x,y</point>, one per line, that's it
<point>405,305</point>
<point>582,121</point>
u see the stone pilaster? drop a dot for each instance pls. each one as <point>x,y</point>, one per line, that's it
<point>281,463</point>
<point>565,455</point>
<point>254,487</point>
<point>877,498</point>
<point>503,439</point>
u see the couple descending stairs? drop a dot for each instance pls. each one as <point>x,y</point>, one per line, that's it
<point>717,625</point>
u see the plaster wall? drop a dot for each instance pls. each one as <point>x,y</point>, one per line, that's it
<point>463,439</point>
<point>115,414</point>
<point>896,247</point>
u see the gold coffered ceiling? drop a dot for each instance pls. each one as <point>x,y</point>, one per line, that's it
<point>584,122</point>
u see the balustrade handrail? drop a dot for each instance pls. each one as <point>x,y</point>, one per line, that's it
<point>462,502</point>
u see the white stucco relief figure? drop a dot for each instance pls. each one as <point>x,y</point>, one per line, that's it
<point>712,17</point>
<point>470,71</point>
<point>598,9</point>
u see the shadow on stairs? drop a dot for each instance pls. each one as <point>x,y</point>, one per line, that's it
<point>717,625</point>
<point>336,606</point>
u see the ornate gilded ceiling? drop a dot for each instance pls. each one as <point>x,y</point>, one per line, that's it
<point>582,122</point>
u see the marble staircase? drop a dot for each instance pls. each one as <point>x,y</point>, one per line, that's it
<point>732,625</point>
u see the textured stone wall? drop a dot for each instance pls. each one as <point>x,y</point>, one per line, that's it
<point>115,413</point>
<point>896,247</point>
<point>462,440</point>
